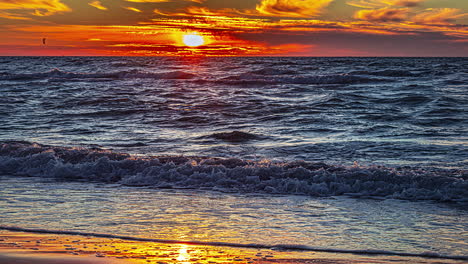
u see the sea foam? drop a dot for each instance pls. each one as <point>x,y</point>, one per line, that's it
<point>233,174</point>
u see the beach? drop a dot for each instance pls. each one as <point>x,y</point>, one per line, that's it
<point>26,248</point>
<point>75,249</point>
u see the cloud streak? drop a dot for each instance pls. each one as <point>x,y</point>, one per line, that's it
<point>384,3</point>
<point>98,5</point>
<point>383,14</point>
<point>439,16</point>
<point>292,8</point>
<point>133,9</point>
<point>14,9</point>
<point>163,1</point>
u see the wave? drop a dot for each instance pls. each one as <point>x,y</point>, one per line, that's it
<point>57,74</point>
<point>456,82</point>
<point>124,64</point>
<point>390,73</point>
<point>280,247</point>
<point>130,145</point>
<point>235,136</point>
<point>232,174</point>
<point>258,77</point>
<point>405,99</point>
<point>273,71</point>
<point>250,78</point>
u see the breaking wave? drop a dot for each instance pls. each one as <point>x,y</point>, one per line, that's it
<point>63,75</point>
<point>232,174</point>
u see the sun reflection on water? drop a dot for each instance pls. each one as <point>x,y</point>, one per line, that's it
<point>133,252</point>
<point>184,255</point>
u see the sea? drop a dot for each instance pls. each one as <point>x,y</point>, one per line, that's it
<point>345,153</point>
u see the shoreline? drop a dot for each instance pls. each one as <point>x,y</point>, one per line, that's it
<point>296,248</point>
<point>51,259</point>
<point>29,248</point>
<point>50,248</point>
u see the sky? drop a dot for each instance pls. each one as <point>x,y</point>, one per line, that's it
<point>234,27</point>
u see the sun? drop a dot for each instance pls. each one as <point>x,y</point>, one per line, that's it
<point>193,40</point>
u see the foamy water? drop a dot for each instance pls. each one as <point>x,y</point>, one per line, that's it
<point>233,174</point>
<point>329,152</point>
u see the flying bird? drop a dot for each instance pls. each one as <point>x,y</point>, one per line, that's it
<point>43,41</point>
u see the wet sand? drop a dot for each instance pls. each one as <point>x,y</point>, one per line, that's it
<point>34,259</point>
<point>27,248</point>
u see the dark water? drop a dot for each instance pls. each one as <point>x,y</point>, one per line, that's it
<point>338,110</point>
<point>404,117</point>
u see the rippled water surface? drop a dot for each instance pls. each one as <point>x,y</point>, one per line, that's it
<point>389,111</point>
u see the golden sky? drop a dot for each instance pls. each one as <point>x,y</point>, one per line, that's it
<point>235,27</point>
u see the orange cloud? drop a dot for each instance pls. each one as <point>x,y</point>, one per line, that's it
<point>201,13</point>
<point>292,8</point>
<point>384,3</point>
<point>9,15</point>
<point>383,14</point>
<point>162,1</point>
<point>133,9</point>
<point>438,16</point>
<point>208,23</point>
<point>98,5</point>
<point>225,22</point>
<point>161,13</point>
<point>204,11</point>
<point>227,47</point>
<point>365,4</point>
<point>14,9</point>
<point>406,3</point>
<point>148,1</point>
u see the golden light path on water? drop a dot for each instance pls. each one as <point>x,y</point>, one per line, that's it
<point>46,249</point>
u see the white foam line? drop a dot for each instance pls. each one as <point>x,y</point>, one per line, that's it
<point>226,244</point>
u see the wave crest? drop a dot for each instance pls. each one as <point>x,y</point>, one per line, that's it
<point>232,175</point>
<point>249,78</point>
<point>235,136</point>
<point>57,74</point>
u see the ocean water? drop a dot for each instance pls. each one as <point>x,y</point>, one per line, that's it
<point>330,152</point>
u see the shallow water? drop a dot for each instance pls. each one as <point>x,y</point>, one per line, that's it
<point>334,222</point>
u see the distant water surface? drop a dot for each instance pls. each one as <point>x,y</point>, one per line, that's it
<point>388,111</point>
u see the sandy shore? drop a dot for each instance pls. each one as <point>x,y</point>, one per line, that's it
<point>50,249</point>
<point>34,259</point>
<point>27,248</point>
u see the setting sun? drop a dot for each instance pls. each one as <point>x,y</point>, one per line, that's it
<point>193,40</point>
